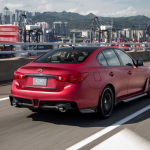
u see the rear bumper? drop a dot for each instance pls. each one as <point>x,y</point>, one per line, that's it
<point>62,106</point>
<point>79,96</point>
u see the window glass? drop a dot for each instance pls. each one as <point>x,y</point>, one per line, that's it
<point>65,56</point>
<point>111,57</point>
<point>127,61</point>
<point>102,60</point>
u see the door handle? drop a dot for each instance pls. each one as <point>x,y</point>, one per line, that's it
<point>111,74</point>
<point>129,72</point>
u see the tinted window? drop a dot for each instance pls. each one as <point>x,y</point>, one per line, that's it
<point>102,60</point>
<point>127,61</point>
<point>65,56</point>
<point>111,57</point>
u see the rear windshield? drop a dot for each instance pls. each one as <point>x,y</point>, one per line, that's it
<point>65,56</point>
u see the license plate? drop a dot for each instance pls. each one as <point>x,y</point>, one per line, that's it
<point>41,81</point>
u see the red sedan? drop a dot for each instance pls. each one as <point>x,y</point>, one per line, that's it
<point>90,79</point>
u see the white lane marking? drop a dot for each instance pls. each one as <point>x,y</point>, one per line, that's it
<point>106,130</point>
<point>124,140</point>
<point>6,98</point>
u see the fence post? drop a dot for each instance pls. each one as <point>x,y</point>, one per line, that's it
<point>133,47</point>
<point>144,49</point>
<point>119,45</point>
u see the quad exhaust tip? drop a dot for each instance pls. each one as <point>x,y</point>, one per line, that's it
<point>14,102</point>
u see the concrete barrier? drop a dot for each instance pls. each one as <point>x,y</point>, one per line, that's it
<point>140,54</point>
<point>8,66</point>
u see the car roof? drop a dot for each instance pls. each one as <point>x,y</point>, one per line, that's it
<point>90,48</point>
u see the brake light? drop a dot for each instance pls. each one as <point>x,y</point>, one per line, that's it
<point>18,75</point>
<point>77,78</point>
<point>73,78</point>
<point>62,78</point>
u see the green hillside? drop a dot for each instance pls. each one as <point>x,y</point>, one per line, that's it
<point>77,21</point>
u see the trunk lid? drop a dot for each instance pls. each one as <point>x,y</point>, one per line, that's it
<point>41,76</point>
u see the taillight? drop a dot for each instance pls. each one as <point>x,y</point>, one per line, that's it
<point>62,78</point>
<point>76,78</point>
<point>73,78</point>
<point>18,75</point>
<point>15,75</point>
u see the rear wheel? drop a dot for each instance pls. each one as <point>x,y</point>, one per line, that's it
<point>106,103</point>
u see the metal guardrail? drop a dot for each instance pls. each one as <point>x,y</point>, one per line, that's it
<point>142,47</point>
<point>52,43</point>
<point>23,51</point>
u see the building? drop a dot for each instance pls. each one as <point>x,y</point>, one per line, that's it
<point>56,26</point>
<point>5,11</point>
<point>16,17</point>
<point>44,25</point>
<point>35,13</point>
<point>61,28</point>
<point>66,29</point>
<point>12,18</point>
<point>3,19</point>
<point>129,34</point>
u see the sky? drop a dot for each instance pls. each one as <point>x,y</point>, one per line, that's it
<point>106,8</point>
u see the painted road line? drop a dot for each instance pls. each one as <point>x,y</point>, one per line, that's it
<point>124,140</point>
<point>3,99</point>
<point>106,130</point>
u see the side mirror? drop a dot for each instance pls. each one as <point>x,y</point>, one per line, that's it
<point>139,63</point>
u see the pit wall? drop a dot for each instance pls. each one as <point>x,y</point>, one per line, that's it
<point>8,66</point>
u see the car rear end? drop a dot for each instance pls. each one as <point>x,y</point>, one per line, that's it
<point>56,80</point>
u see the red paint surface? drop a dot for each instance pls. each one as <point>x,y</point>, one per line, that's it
<point>87,92</point>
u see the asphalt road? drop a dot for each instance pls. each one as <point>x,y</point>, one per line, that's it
<point>21,129</point>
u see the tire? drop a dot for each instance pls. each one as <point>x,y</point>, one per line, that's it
<point>106,103</point>
<point>148,92</point>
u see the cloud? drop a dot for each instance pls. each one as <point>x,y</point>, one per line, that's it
<point>48,7</point>
<point>130,11</point>
<point>45,5</point>
<point>9,5</point>
<point>72,10</point>
<point>95,12</point>
<point>107,8</point>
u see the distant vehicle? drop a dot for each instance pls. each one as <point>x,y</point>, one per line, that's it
<point>89,79</point>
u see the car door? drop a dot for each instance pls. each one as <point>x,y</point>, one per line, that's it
<point>135,74</point>
<point>115,72</point>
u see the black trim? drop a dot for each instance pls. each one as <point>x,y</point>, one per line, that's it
<point>49,88</point>
<point>131,98</point>
<point>42,104</point>
<point>40,75</point>
<point>88,110</point>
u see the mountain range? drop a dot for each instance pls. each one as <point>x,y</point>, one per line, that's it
<point>77,21</point>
